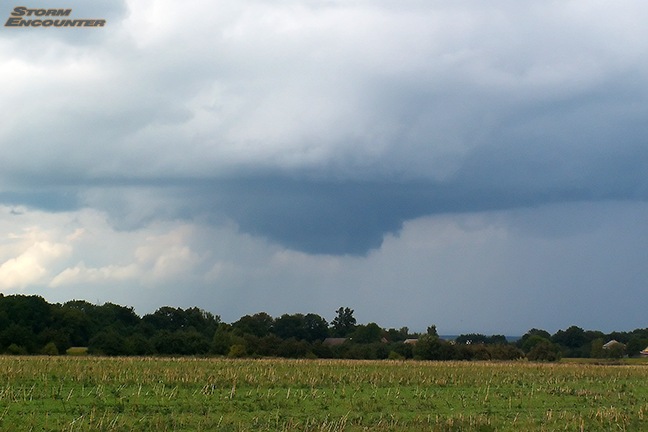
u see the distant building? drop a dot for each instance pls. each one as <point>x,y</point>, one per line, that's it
<point>613,343</point>
<point>334,341</point>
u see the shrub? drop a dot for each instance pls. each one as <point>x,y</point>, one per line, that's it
<point>237,351</point>
<point>50,349</point>
<point>77,351</point>
<point>545,351</point>
<point>14,349</point>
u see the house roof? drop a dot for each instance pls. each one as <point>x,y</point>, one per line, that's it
<point>334,341</point>
<point>611,343</point>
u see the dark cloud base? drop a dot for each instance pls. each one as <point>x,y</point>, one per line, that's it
<point>353,217</point>
<point>49,200</point>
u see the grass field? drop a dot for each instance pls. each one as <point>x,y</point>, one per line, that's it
<point>89,393</point>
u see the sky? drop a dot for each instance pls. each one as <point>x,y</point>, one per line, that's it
<point>478,166</point>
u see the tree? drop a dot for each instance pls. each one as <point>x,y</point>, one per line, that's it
<point>309,327</point>
<point>112,315</point>
<point>19,335</point>
<point>138,344</point>
<point>166,318</point>
<point>574,341</point>
<point>108,342</point>
<point>204,322</point>
<point>369,333</point>
<point>432,331</point>
<point>472,338</point>
<point>259,324</point>
<point>635,345</point>
<point>497,340</point>
<point>530,342</point>
<point>597,350</point>
<point>316,327</point>
<point>545,351</point>
<point>429,347</point>
<point>399,335</point>
<point>344,323</point>
<point>573,337</point>
<point>181,342</point>
<point>290,326</point>
<point>222,340</point>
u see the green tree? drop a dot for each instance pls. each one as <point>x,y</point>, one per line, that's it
<point>573,339</point>
<point>597,350</point>
<point>635,345</point>
<point>505,352</point>
<point>20,335</point>
<point>405,350</point>
<point>316,327</point>
<point>291,326</point>
<point>369,333</point>
<point>429,347</point>
<point>399,335</point>
<point>77,319</point>
<point>496,340</point>
<point>545,351</point>
<point>432,331</point>
<point>139,345</point>
<point>293,348</point>
<point>530,342</point>
<point>541,334</point>
<point>472,338</point>
<point>259,324</point>
<point>344,323</point>
<point>121,318</point>
<point>222,340</point>
<point>181,342</point>
<point>108,342</point>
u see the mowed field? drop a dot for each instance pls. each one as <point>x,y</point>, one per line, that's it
<point>157,394</point>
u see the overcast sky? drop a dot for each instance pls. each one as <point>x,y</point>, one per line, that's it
<point>481,166</point>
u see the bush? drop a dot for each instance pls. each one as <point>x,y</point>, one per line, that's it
<point>77,351</point>
<point>50,349</point>
<point>14,349</point>
<point>545,351</point>
<point>237,351</point>
<point>393,355</point>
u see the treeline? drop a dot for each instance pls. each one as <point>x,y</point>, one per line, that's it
<point>30,325</point>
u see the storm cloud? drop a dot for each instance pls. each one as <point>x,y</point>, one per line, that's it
<point>330,133</point>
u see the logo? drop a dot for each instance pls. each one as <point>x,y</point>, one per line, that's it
<point>22,16</point>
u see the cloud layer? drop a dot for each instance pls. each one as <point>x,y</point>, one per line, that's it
<point>324,134</point>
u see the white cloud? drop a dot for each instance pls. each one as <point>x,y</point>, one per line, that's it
<point>80,274</point>
<point>32,252</point>
<point>169,255</point>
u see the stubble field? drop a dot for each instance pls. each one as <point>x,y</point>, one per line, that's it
<point>145,394</point>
